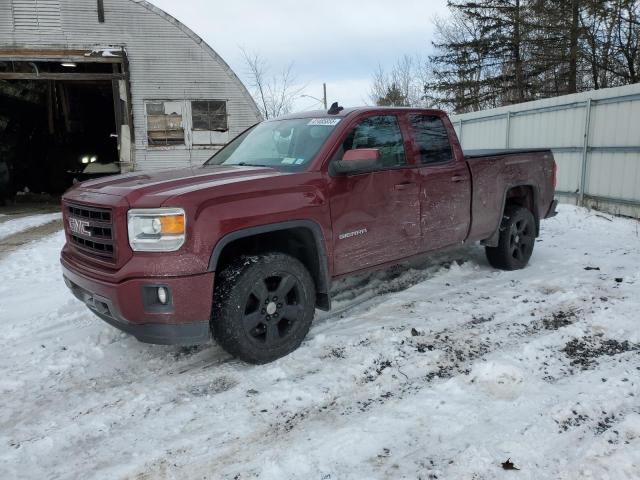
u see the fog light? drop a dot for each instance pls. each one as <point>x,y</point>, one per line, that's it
<point>163,295</point>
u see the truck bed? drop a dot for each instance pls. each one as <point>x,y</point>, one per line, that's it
<point>496,171</point>
<point>472,154</point>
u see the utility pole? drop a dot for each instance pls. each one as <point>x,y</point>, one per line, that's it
<point>322,100</point>
<point>324,95</point>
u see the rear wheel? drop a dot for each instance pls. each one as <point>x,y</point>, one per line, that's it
<point>516,241</point>
<point>263,307</point>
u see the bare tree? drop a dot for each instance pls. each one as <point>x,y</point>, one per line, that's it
<point>379,85</point>
<point>274,94</point>
<point>402,86</point>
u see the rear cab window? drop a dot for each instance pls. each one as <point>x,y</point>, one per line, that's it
<point>431,139</point>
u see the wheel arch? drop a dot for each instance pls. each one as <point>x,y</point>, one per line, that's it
<point>302,239</point>
<point>525,195</point>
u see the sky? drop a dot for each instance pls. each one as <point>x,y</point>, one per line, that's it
<point>340,42</point>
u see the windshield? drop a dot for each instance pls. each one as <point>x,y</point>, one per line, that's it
<point>287,144</point>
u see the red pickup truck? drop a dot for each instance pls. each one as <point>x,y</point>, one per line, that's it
<point>245,247</point>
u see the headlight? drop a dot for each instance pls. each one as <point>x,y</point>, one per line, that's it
<point>156,229</point>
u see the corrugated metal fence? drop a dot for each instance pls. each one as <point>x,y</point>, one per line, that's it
<point>595,138</point>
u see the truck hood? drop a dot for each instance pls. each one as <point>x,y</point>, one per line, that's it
<point>156,187</point>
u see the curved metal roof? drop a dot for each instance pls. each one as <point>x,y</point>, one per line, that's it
<point>204,45</point>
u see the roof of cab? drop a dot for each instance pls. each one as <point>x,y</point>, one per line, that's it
<point>348,111</point>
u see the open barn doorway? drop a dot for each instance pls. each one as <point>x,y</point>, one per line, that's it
<point>60,123</point>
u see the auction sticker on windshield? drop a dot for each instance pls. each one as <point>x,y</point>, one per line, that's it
<point>329,122</point>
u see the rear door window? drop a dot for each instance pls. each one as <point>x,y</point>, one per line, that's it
<point>431,138</point>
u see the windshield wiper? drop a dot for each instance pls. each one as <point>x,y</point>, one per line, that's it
<point>245,164</point>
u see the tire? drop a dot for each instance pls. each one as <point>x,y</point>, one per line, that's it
<point>263,307</point>
<point>516,241</point>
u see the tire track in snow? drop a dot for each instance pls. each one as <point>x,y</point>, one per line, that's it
<point>459,349</point>
<point>453,351</point>
<point>16,240</point>
<point>363,296</point>
<point>461,345</point>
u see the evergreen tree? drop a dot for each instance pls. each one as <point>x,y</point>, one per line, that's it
<point>498,52</point>
<point>393,97</point>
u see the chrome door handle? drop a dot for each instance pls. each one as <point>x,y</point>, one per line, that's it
<point>457,178</point>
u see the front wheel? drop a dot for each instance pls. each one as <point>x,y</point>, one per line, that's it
<point>516,241</point>
<point>263,307</point>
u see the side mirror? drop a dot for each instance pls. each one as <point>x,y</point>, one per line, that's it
<point>358,160</point>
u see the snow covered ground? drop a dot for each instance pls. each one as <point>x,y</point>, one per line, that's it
<point>11,226</point>
<point>444,370</point>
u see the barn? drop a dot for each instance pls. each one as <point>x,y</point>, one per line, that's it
<point>91,87</point>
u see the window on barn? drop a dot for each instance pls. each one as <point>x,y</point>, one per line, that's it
<point>36,14</point>
<point>164,123</point>
<point>209,115</point>
<point>209,122</point>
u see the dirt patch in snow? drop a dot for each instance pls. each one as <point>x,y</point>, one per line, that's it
<point>575,420</point>
<point>584,351</point>
<point>219,385</point>
<point>335,352</point>
<point>599,423</point>
<point>13,242</point>
<point>15,212</point>
<point>559,319</point>
<point>379,366</point>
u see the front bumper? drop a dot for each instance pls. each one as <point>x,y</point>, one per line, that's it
<point>126,306</point>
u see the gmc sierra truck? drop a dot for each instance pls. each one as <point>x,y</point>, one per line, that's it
<point>245,247</point>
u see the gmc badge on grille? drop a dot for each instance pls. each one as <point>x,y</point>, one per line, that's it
<point>81,227</point>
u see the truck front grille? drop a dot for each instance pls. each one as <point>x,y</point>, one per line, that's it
<point>90,230</point>
<point>91,213</point>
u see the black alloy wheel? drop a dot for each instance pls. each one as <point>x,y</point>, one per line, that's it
<point>521,239</point>
<point>263,306</point>
<point>272,308</point>
<point>516,240</point>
